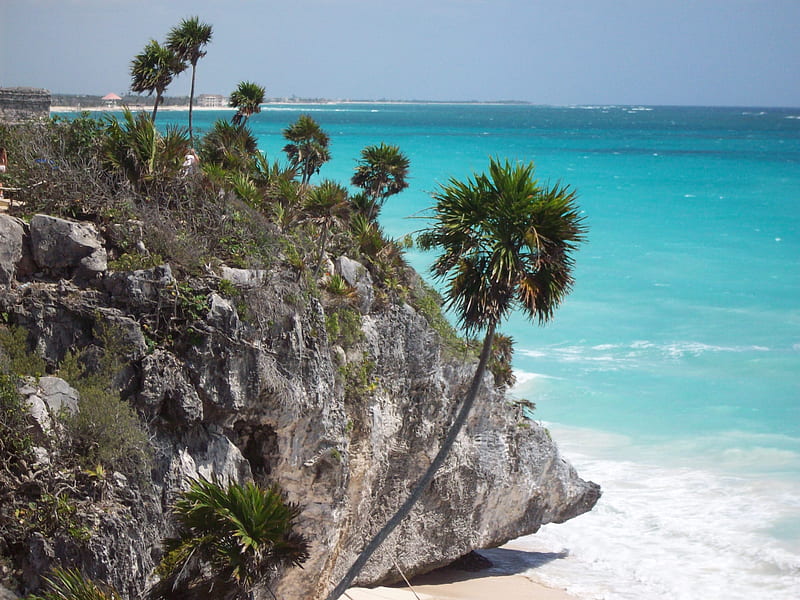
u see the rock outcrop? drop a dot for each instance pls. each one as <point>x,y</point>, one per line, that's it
<point>343,425</point>
<point>20,104</point>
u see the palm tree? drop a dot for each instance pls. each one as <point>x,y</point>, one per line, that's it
<point>506,243</point>
<point>232,147</point>
<point>328,207</point>
<point>243,533</point>
<point>153,70</point>
<point>135,148</point>
<point>309,148</point>
<point>247,100</point>
<point>187,41</point>
<point>381,173</point>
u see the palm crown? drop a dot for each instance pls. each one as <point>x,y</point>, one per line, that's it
<point>308,149</point>
<point>506,242</point>
<point>246,99</point>
<point>381,173</point>
<point>153,69</point>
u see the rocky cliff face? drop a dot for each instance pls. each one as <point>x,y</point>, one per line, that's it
<point>22,104</point>
<point>261,386</point>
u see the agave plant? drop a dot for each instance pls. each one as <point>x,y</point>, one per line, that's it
<point>135,148</point>
<point>70,584</point>
<point>231,537</point>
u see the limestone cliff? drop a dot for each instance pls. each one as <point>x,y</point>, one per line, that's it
<point>260,385</point>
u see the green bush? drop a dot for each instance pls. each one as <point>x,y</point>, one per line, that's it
<point>15,357</point>
<point>106,430</point>
<point>15,443</point>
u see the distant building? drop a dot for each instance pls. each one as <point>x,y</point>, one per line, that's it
<point>111,100</point>
<point>20,104</point>
<point>211,101</point>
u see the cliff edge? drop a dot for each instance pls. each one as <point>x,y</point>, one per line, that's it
<point>340,399</point>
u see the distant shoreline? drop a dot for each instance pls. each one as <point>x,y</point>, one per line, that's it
<point>185,107</point>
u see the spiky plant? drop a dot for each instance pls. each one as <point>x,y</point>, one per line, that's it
<point>381,172</point>
<point>70,584</point>
<point>234,536</point>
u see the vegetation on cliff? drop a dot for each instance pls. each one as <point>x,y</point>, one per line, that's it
<point>506,241</point>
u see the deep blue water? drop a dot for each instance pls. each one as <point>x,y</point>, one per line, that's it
<point>672,374</point>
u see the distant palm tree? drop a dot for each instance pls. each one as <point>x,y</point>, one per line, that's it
<point>328,207</point>
<point>232,147</point>
<point>381,173</point>
<point>506,243</point>
<point>247,100</point>
<point>308,149</point>
<point>187,42</point>
<point>244,534</point>
<point>153,70</point>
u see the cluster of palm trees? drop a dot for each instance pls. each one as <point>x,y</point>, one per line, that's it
<point>506,241</point>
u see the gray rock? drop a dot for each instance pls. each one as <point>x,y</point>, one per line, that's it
<point>140,287</point>
<point>58,395</point>
<point>59,245</point>
<point>244,278</point>
<point>358,277</point>
<point>12,232</point>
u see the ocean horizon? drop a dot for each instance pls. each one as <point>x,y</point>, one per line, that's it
<point>670,374</point>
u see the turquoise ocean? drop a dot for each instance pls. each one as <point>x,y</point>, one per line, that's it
<point>671,375</point>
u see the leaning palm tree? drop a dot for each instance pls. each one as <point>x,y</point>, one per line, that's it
<point>153,69</point>
<point>246,99</point>
<point>381,173</point>
<point>327,206</point>
<point>187,42</point>
<point>308,149</point>
<point>230,539</point>
<point>506,242</point>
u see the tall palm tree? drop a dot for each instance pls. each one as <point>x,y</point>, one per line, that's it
<point>381,173</point>
<point>247,100</point>
<point>506,242</point>
<point>187,42</point>
<point>327,206</point>
<point>308,149</point>
<point>243,533</point>
<point>153,69</point>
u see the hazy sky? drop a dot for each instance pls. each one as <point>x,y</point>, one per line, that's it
<point>701,52</point>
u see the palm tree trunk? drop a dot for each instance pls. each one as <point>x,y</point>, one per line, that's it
<point>321,252</point>
<point>426,479</point>
<point>155,106</point>
<point>191,105</point>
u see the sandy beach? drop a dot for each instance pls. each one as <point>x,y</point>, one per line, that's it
<point>451,584</point>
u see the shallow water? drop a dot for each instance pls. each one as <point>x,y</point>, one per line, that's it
<point>670,375</point>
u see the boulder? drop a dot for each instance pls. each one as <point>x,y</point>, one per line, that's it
<point>12,233</point>
<point>67,247</point>
<point>357,276</point>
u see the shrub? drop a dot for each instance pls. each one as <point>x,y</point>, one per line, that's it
<point>15,357</point>
<point>15,443</point>
<point>236,536</point>
<point>70,584</point>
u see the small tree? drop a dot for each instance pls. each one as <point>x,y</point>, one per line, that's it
<point>230,539</point>
<point>187,42</point>
<point>506,242</point>
<point>328,207</point>
<point>308,149</point>
<point>246,99</point>
<point>153,70</point>
<point>381,173</point>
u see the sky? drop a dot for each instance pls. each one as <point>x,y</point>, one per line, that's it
<point>559,52</point>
